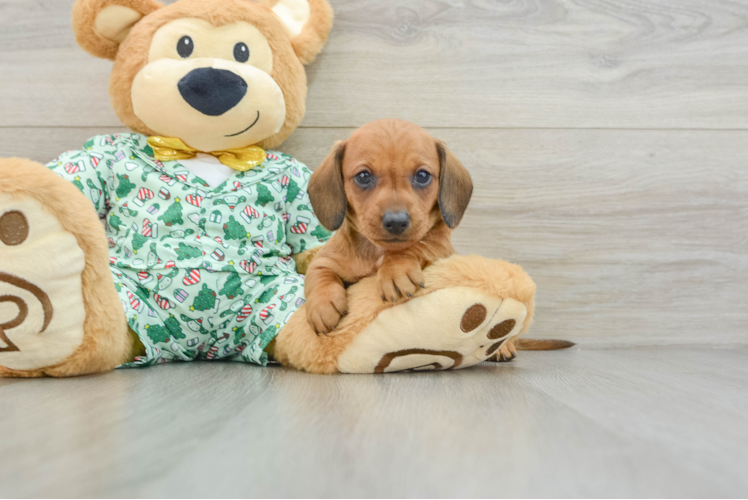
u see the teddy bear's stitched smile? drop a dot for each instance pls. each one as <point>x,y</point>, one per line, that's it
<point>246,129</point>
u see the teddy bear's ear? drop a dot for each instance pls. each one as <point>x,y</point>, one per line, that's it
<point>308,23</point>
<point>101,25</point>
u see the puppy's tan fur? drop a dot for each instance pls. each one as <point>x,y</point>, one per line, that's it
<point>392,151</point>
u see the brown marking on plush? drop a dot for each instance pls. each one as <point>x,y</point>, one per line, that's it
<point>23,312</point>
<point>387,359</point>
<point>288,70</point>
<point>473,318</point>
<point>502,329</point>
<point>14,228</point>
<point>106,342</point>
<point>37,292</point>
<point>11,347</point>
<point>392,151</point>
<point>493,348</point>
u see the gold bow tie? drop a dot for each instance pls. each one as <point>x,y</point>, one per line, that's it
<point>172,149</point>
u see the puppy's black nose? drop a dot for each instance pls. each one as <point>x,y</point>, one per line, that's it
<point>396,222</point>
<point>212,91</point>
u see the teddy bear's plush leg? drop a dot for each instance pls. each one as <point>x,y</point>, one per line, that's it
<point>471,306</point>
<point>59,312</point>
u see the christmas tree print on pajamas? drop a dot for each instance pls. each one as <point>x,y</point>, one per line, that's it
<point>202,273</point>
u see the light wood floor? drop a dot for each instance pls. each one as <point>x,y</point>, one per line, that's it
<point>626,422</point>
<point>608,141</point>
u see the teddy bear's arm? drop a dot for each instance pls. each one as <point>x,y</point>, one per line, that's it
<point>303,259</point>
<point>85,168</point>
<point>303,230</point>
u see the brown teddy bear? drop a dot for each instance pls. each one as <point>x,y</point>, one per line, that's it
<point>187,239</point>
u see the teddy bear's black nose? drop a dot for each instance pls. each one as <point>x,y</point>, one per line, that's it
<point>212,91</point>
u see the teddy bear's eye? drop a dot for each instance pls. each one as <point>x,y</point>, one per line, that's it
<point>185,47</point>
<point>241,52</point>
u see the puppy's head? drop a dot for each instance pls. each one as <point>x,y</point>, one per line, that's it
<point>393,182</point>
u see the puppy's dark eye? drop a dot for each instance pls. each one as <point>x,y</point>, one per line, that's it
<point>241,52</point>
<point>185,47</point>
<point>422,179</point>
<point>364,179</point>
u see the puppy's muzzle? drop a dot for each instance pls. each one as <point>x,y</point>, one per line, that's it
<point>396,222</point>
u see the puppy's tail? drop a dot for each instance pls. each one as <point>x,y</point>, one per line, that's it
<point>542,345</point>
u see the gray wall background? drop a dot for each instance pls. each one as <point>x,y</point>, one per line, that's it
<point>608,141</point>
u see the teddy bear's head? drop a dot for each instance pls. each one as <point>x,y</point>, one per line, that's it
<point>217,74</point>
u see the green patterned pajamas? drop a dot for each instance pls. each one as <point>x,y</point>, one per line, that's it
<point>203,273</point>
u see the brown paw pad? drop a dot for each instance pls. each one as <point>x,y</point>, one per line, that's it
<point>418,360</point>
<point>473,318</point>
<point>14,228</point>
<point>23,308</point>
<point>502,329</point>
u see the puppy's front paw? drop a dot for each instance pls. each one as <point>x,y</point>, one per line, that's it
<point>399,277</point>
<point>324,308</point>
<point>507,352</point>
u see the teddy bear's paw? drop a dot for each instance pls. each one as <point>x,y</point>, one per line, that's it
<point>498,336</point>
<point>448,329</point>
<point>506,326</point>
<point>41,306</point>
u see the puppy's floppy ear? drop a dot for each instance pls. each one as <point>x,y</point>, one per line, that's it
<point>327,190</point>
<point>101,25</point>
<point>455,186</point>
<point>308,23</point>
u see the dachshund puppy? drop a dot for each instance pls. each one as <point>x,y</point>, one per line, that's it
<point>393,193</point>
